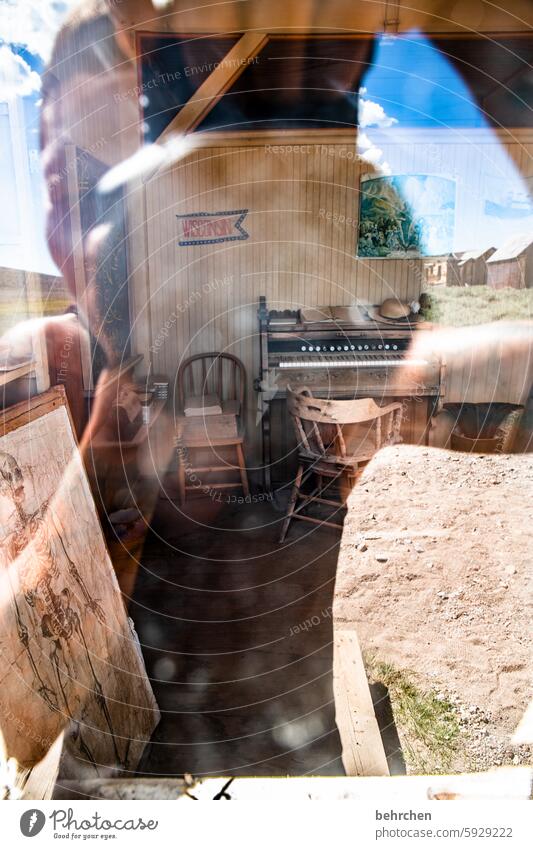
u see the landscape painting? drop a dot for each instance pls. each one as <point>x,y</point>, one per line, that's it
<point>408,215</point>
<point>69,658</point>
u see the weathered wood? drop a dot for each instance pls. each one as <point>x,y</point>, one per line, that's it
<point>362,747</point>
<point>325,449</point>
<point>39,782</point>
<point>69,654</point>
<point>205,429</point>
<point>336,412</point>
<point>215,86</point>
<point>8,375</point>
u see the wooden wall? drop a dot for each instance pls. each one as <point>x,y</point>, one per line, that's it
<point>516,272</point>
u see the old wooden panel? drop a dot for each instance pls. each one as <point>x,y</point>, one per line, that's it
<point>362,747</point>
<point>70,659</point>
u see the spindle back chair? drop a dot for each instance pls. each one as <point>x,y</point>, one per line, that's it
<point>222,379</point>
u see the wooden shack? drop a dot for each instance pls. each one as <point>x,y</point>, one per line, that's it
<point>472,267</point>
<point>511,265</point>
<point>442,270</point>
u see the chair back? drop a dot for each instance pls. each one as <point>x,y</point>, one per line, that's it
<point>318,422</point>
<point>214,373</point>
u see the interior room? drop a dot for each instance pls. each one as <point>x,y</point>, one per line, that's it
<point>266,369</point>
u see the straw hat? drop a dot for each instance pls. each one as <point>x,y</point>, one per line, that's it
<point>393,310</point>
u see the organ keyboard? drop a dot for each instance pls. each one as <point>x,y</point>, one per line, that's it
<point>339,352</point>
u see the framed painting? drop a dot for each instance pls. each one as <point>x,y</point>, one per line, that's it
<point>69,658</point>
<point>403,216</point>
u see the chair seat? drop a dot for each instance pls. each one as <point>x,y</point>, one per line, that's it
<point>200,432</point>
<point>366,448</point>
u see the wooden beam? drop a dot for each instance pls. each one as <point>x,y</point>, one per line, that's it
<point>362,747</point>
<point>216,85</point>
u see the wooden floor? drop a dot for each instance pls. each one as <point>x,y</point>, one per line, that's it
<point>237,635</point>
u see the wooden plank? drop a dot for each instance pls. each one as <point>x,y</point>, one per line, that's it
<point>28,411</point>
<point>362,747</point>
<point>39,782</point>
<point>8,375</point>
<point>215,86</point>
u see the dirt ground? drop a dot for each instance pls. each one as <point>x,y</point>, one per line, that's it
<point>435,573</point>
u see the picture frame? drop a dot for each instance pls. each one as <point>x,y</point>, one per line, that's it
<point>405,216</point>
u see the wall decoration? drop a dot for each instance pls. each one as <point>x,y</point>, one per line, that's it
<point>211,228</point>
<point>407,215</point>
<point>69,658</point>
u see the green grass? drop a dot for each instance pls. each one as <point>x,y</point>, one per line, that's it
<point>458,307</point>
<point>427,724</point>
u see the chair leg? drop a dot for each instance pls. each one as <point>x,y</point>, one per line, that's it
<point>181,479</point>
<point>242,469</point>
<point>346,484</point>
<point>292,503</point>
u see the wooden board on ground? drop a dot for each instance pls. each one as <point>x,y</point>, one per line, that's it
<point>362,747</point>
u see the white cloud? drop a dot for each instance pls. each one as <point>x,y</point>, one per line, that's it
<point>371,114</point>
<point>16,76</point>
<point>33,24</point>
<point>372,154</point>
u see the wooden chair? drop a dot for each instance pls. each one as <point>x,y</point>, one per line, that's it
<point>210,377</point>
<point>335,438</point>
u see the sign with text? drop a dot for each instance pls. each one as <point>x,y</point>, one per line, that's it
<point>211,228</point>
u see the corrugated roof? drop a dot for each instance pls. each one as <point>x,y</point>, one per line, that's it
<point>512,248</point>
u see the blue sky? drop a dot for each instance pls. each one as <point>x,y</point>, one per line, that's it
<point>411,88</point>
<point>418,86</point>
<point>27,30</point>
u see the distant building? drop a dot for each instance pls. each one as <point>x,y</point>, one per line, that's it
<point>512,264</point>
<point>472,267</point>
<point>28,294</point>
<point>442,270</point>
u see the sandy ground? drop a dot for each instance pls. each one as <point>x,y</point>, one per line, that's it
<point>435,572</point>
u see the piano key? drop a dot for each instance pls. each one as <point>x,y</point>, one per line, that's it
<point>378,362</point>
